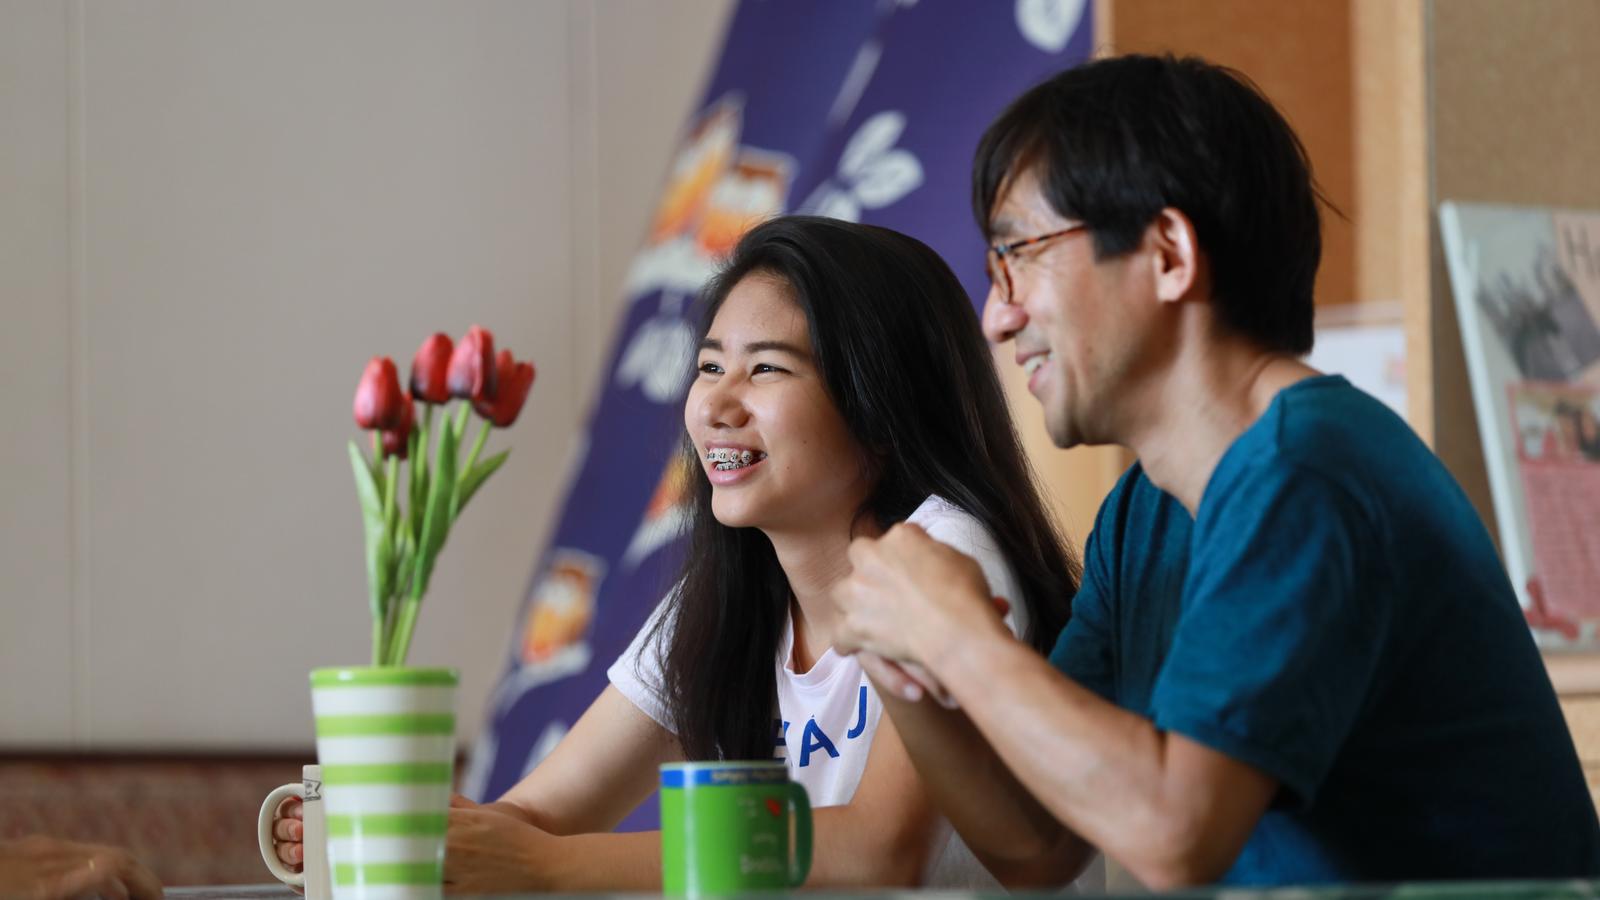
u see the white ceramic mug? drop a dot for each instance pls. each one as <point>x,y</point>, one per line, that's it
<point>313,874</point>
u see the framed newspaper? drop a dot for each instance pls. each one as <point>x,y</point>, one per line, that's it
<point>1526,282</point>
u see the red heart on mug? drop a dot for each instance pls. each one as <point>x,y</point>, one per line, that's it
<point>774,807</point>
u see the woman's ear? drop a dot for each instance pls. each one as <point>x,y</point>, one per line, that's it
<point>1176,257</point>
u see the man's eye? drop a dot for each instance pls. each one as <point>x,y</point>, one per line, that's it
<point>710,368</point>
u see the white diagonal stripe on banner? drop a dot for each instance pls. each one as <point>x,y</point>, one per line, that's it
<point>382,700</point>
<point>403,748</point>
<point>354,799</point>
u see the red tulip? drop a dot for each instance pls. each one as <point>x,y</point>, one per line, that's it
<point>378,397</point>
<point>428,370</point>
<point>397,440</point>
<point>515,380</point>
<point>472,374</point>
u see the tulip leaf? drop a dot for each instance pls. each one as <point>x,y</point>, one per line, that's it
<point>475,477</point>
<point>372,518</point>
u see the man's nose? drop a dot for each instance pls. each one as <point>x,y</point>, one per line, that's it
<point>1001,320</point>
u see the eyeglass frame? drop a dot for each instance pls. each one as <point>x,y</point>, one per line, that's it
<point>995,258</point>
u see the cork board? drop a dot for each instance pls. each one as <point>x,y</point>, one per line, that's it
<point>1514,117</point>
<point>1299,54</point>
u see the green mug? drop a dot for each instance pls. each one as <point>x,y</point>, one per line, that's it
<point>726,828</point>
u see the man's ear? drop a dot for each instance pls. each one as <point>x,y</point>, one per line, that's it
<point>1176,255</point>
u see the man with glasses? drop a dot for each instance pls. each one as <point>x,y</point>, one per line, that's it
<point>1295,656</point>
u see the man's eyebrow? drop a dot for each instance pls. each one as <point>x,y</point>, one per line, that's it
<point>1001,228</point>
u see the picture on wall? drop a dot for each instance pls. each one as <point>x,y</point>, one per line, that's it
<point>1527,290</point>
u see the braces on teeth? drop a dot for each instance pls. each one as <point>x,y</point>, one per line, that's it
<point>726,459</point>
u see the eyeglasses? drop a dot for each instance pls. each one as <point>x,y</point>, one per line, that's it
<point>1000,272</point>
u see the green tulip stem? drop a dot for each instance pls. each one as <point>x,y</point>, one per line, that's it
<point>400,643</point>
<point>477,448</point>
<point>390,485</point>
<point>461,421</point>
<point>391,477</point>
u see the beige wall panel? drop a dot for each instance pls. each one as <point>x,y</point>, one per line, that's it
<point>651,63</point>
<point>275,192</point>
<point>36,360</point>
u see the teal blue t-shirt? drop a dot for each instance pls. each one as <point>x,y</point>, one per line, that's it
<point>1336,616</point>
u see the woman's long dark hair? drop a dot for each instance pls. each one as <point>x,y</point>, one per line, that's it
<point>904,361</point>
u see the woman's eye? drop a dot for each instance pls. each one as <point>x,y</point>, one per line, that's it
<point>710,368</point>
<point>765,367</point>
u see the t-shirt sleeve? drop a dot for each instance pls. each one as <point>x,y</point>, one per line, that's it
<point>1281,630</point>
<point>638,672</point>
<point>955,528</point>
<point>1083,651</point>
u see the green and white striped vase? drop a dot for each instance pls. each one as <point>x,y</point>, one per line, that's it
<point>386,743</point>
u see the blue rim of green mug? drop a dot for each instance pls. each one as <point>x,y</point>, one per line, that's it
<point>723,774</point>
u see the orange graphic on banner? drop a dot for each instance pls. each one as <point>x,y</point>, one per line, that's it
<point>748,194</point>
<point>562,607</point>
<point>705,155</point>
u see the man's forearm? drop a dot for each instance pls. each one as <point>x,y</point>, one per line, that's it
<point>1015,837</point>
<point>1093,766</point>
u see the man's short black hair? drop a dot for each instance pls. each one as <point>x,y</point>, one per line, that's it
<point>1115,141</point>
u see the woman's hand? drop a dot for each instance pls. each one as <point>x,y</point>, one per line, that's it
<point>490,852</point>
<point>288,834</point>
<point>50,869</point>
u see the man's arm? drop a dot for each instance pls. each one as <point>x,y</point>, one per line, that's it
<point>1171,811</point>
<point>1020,842</point>
<point>1168,809</point>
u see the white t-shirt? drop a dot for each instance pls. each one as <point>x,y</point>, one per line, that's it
<point>830,713</point>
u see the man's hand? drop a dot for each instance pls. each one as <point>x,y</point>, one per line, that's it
<point>489,852</point>
<point>42,868</point>
<point>907,598</point>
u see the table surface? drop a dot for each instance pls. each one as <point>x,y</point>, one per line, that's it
<point>1481,890</point>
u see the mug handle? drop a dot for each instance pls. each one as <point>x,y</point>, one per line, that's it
<point>269,810</point>
<point>800,809</point>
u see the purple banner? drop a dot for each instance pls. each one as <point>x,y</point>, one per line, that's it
<point>861,111</point>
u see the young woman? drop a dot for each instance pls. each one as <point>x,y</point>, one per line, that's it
<point>842,385</point>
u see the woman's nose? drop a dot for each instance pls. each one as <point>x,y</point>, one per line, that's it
<point>723,404</point>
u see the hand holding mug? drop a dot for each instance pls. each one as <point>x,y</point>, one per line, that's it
<point>292,832</point>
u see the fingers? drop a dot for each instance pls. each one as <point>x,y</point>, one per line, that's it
<point>890,678</point>
<point>139,883</point>
<point>291,854</point>
<point>907,680</point>
<point>288,830</point>
<point>934,688</point>
<point>461,801</point>
<point>111,889</point>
